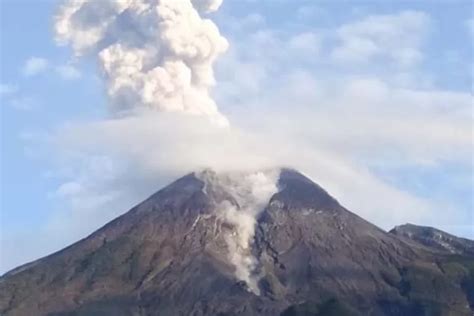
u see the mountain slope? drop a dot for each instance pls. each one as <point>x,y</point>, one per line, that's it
<point>263,243</point>
<point>435,238</point>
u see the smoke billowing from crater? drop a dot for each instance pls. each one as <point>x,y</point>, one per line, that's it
<point>154,54</point>
<point>249,194</point>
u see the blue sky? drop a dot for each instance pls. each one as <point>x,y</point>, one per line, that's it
<point>36,102</point>
<point>381,112</point>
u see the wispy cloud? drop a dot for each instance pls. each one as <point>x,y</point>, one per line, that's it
<point>7,89</point>
<point>13,98</point>
<point>396,37</point>
<point>470,25</point>
<point>34,66</point>
<point>23,103</point>
<point>68,72</point>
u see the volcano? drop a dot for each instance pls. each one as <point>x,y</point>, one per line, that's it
<point>252,243</point>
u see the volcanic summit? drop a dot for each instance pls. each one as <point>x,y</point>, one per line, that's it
<point>269,242</point>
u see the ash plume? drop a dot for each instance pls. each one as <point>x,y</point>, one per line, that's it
<point>154,54</point>
<point>250,192</point>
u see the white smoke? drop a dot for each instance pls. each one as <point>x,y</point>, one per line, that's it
<point>251,191</point>
<point>154,54</point>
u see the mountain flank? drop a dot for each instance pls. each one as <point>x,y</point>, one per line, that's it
<point>251,243</point>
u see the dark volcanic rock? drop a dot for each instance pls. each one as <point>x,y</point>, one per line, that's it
<point>183,252</point>
<point>435,238</point>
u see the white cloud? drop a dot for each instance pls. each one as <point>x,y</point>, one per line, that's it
<point>7,89</point>
<point>251,20</point>
<point>396,37</point>
<point>23,103</point>
<point>242,72</point>
<point>12,98</point>
<point>306,44</point>
<point>334,145</point>
<point>68,72</point>
<point>470,25</point>
<point>34,66</point>
<point>68,189</point>
<point>37,65</point>
<point>310,11</point>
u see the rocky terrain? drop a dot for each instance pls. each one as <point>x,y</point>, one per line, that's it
<point>264,243</point>
<point>435,239</point>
